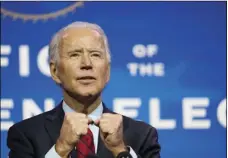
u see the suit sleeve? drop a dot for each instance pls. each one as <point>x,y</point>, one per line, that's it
<point>150,147</point>
<point>18,144</point>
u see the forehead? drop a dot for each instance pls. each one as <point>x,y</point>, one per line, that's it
<point>81,37</point>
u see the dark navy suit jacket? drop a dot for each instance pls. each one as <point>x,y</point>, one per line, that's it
<point>34,137</point>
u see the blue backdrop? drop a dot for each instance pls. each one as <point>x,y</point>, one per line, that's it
<point>168,67</point>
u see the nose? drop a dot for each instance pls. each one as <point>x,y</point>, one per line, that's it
<point>86,63</point>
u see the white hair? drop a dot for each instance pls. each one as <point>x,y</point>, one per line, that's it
<point>54,44</point>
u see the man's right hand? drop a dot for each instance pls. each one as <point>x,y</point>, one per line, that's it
<point>74,125</point>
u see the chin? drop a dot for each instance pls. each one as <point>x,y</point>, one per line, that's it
<point>88,92</point>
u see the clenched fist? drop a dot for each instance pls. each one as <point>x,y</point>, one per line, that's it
<point>74,125</point>
<point>111,132</point>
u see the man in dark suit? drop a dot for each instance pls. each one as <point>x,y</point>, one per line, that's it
<point>81,125</point>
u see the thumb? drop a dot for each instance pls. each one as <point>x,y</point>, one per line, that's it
<point>103,134</point>
<point>97,123</point>
<point>90,121</point>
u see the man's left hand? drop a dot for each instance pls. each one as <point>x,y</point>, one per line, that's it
<point>111,132</point>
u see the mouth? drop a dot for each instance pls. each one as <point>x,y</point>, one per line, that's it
<point>86,79</point>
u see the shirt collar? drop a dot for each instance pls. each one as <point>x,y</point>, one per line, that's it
<point>96,114</point>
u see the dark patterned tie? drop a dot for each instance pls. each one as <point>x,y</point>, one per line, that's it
<point>85,146</point>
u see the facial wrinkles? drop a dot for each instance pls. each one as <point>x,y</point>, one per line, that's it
<point>88,42</point>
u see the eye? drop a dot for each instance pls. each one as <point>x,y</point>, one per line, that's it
<point>74,54</point>
<point>96,54</point>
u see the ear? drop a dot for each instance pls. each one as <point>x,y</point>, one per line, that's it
<point>108,73</point>
<point>54,72</point>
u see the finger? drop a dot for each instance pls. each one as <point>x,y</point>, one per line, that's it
<point>81,115</point>
<point>106,115</point>
<point>84,121</point>
<point>90,121</point>
<point>104,121</point>
<point>97,123</point>
<point>103,135</point>
<point>84,131</point>
<point>104,127</point>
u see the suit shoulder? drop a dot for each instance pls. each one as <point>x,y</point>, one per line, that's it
<point>139,126</point>
<point>33,123</point>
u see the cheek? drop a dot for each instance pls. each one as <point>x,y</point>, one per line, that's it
<point>104,74</point>
<point>67,71</point>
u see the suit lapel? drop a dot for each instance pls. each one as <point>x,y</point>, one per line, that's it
<point>54,122</point>
<point>102,151</point>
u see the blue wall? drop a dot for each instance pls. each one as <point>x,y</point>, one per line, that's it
<point>168,67</point>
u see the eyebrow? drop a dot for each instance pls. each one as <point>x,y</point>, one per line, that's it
<point>74,50</point>
<point>79,50</point>
<point>96,49</point>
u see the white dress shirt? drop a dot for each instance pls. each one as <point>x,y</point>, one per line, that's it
<point>95,115</point>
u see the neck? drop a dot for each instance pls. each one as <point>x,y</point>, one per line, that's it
<point>81,104</point>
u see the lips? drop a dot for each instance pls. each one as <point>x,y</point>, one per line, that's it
<point>86,78</point>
